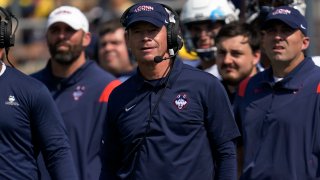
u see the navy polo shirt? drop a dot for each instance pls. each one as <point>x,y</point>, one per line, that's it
<point>183,118</point>
<point>280,123</point>
<point>82,100</point>
<point>31,123</point>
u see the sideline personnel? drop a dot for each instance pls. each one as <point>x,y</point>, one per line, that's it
<point>170,120</point>
<point>280,109</point>
<point>30,121</point>
<point>78,85</point>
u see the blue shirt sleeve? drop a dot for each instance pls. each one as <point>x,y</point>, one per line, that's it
<point>110,148</point>
<point>49,132</point>
<point>226,161</point>
<point>220,122</point>
<point>222,131</point>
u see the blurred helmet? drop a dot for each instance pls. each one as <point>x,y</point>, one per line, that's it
<point>300,5</point>
<point>260,8</point>
<point>214,10</point>
<point>205,10</point>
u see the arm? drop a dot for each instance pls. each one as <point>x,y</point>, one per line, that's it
<point>226,161</point>
<point>222,132</point>
<point>110,147</point>
<point>49,131</point>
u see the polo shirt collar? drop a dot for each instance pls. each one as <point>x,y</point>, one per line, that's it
<point>74,78</point>
<point>294,80</point>
<point>174,74</point>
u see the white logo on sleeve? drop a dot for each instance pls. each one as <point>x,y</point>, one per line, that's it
<point>12,101</point>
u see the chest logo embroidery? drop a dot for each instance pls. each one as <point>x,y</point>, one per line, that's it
<point>129,108</point>
<point>78,92</point>
<point>12,101</point>
<point>181,101</point>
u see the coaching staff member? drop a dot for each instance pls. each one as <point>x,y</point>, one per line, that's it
<point>79,87</point>
<point>169,121</point>
<point>279,111</point>
<point>30,122</point>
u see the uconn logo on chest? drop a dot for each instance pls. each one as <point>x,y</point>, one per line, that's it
<point>12,101</point>
<point>181,101</point>
<point>78,92</point>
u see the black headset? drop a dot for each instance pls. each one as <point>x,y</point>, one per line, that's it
<point>174,37</point>
<point>6,35</point>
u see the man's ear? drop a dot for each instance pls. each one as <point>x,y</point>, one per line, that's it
<point>257,56</point>
<point>86,39</point>
<point>1,53</point>
<point>305,43</point>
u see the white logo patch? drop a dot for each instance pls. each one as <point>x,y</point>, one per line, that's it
<point>181,101</point>
<point>12,101</point>
<point>78,92</point>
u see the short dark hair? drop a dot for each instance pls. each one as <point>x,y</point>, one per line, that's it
<point>109,26</point>
<point>243,29</point>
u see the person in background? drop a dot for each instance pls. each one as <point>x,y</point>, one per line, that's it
<point>238,54</point>
<point>279,109</point>
<point>114,55</point>
<point>201,22</point>
<point>170,120</point>
<point>79,87</point>
<point>30,121</point>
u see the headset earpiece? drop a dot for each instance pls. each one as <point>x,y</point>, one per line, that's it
<point>173,30</point>
<point>6,35</point>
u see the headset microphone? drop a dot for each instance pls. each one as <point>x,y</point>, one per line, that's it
<point>159,59</point>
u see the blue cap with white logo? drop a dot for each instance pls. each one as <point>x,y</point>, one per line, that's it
<point>153,13</point>
<point>288,15</point>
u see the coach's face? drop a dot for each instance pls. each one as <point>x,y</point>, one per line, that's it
<point>147,41</point>
<point>65,43</point>
<point>282,44</point>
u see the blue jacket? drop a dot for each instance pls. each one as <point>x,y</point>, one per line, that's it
<point>82,100</point>
<point>30,123</point>
<point>280,124</point>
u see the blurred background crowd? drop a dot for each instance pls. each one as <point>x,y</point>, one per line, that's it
<point>30,51</point>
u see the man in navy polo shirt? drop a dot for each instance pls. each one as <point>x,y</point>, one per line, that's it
<point>30,122</point>
<point>279,111</point>
<point>79,87</point>
<point>169,121</point>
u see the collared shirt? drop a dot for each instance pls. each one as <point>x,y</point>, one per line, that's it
<point>82,100</point>
<point>30,123</point>
<point>167,128</point>
<point>280,124</point>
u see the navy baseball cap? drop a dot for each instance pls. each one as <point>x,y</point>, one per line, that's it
<point>288,15</point>
<point>151,12</point>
